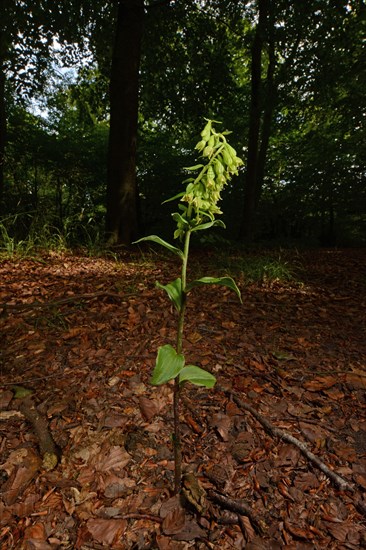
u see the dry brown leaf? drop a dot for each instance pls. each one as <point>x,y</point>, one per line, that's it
<point>116,459</point>
<point>26,465</point>
<point>222,423</point>
<point>166,543</point>
<point>194,337</point>
<point>174,521</point>
<point>288,455</point>
<point>36,531</point>
<point>169,505</point>
<point>5,398</point>
<point>306,481</point>
<point>35,544</point>
<point>106,531</point>
<point>356,381</point>
<point>314,434</point>
<point>321,383</point>
<point>339,531</point>
<point>298,532</point>
<point>148,407</point>
<point>190,531</point>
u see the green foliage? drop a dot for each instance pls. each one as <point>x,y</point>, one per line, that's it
<point>223,281</point>
<point>198,208</point>
<point>195,58</point>
<point>196,376</point>
<point>260,268</point>
<point>55,176</point>
<point>174,291</point>
<point>168,365</point>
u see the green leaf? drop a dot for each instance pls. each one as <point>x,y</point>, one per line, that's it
<point>223,281</point>
<point>197,376</point>
<point>178,196</point>
<point>194,167</point>
<point>168,365</point>
<point>174,291</point>
<point>215,223</point>
<point>178,218</point>
<point>158,240</point>
<point>20,392</point>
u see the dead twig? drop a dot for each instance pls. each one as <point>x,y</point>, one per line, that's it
<point>47,446</point>
<point>136,515</point>
<point>237,506</point>
<point>88,296</point>
<point>38,379</point>
<point>341,483</point>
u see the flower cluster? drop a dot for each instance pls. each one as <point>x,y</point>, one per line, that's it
<point>203,192</point>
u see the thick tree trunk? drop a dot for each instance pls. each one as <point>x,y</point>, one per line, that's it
<point>255,116</point>
<point>269,104</point>
<point>121,217</point>
<point>3,125</point>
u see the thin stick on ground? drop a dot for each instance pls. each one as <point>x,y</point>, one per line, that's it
<point>237,506</point>
<point>341,483</point>
<point>47,446</point>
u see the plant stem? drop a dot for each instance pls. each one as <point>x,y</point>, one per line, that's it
<point>177,388</point>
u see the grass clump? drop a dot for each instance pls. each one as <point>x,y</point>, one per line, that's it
<point>263,269</point>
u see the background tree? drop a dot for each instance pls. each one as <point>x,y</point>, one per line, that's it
<point>121,217</point>
<point>24,49</point>
<point>287,77</point>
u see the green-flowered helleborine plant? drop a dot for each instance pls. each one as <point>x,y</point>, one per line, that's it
<point>198,208</point>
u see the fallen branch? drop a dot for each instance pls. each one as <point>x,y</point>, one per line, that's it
<point>136,515</point>
<point>48,448</point>
<point>37,379</point>
<point>237,506</point>
<point>88,296</point>
<point>341,483</point>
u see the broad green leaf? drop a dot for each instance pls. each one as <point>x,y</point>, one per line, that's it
<point>174,291</point>
<point>158,240</point>
<point>223,281</point>
<point>178,218</point>
<point>178,196</point>
<point>215,223</point>
<point>168,365</point>
<point>20,392</point>
<point>197,376</point>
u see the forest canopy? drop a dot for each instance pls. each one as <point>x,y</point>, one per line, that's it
<point>101,105</point>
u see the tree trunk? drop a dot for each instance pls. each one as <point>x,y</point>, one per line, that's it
<point>121,217</point>
<point>270,99</point>
<point>3,124</point>
<point>255,115</point>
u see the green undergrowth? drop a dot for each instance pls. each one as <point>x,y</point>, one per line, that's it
<point>261,268</point>
<point>222,257</point>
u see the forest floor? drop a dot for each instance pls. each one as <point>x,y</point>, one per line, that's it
<point>276,451</point>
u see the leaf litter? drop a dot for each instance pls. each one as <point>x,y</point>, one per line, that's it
<point>82,333</point>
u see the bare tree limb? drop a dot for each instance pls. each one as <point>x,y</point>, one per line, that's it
<point>237,506</point>
<point>341,483</point>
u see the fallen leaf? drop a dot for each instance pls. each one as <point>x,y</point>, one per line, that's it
<point>174,521</point>
<point>24,468</point>
<point>106,531</point>
<point>321,383</point>
<point>148,407</point>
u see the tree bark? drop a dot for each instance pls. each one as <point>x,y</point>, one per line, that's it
<point>269,104</point>
<point>3,125</point>
<point>122,194</point>
<point>255,117</point>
